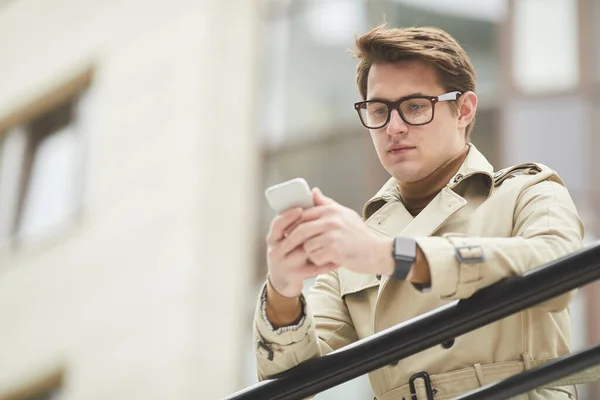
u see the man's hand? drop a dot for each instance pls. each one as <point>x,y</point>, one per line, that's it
<point>288,264</point>
<point>330,234</point>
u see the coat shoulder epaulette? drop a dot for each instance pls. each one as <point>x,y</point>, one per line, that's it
<point>528,168</point>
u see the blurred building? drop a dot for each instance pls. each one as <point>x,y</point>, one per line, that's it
<point>137,139</point>
<point>128,177</point>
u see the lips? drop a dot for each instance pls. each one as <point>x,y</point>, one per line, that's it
<point>399,148</point>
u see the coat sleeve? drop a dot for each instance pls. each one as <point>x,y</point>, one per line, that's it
<point>327,326</point>
<point>546,227</point>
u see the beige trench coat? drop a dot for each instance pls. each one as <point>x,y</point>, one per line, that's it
<point>518,218</point>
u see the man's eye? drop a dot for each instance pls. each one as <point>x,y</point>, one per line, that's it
<point>377,110</point>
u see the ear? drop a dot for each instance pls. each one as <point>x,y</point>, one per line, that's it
<point>467,107</point>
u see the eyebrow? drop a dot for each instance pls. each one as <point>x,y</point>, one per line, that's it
<point>399,98</point>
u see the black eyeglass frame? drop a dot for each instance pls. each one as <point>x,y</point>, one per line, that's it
<point>395,105</point>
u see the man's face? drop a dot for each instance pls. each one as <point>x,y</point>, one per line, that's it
<point>410,153</point>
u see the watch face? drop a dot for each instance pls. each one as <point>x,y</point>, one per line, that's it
<point>405,247</point>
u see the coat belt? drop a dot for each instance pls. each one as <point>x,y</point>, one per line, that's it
<point>451,384</point>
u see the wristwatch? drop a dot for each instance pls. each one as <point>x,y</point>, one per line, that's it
<point>404,252</point>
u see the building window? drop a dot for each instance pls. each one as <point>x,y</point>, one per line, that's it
<point>546,57</point>
<point>41,167</point>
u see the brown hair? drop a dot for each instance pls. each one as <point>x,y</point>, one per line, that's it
<point>431,45</point>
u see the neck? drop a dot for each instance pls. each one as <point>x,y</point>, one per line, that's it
<point>417,195</point>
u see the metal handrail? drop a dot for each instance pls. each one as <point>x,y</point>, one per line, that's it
<point>488,305</point>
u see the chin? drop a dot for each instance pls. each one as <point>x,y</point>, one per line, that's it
<point>408,178</point>
<point>407,174</point>
<point>406,171</point>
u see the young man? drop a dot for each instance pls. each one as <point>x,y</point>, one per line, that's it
<point>462,226</point>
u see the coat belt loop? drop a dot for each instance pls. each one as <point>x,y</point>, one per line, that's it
<point>479,373</point>
<point>527,360</point>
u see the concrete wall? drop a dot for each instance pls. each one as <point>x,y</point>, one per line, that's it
<point>123,302</point>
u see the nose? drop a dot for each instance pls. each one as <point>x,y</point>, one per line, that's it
<point>396,126</point>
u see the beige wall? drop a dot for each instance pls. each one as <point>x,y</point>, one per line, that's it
<point>123,301</point>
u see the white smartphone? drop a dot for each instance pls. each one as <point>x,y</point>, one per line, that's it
<point>289,194</point>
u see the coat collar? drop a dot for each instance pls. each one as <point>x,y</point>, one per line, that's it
<point>386,214</point>
<point>474,164</point>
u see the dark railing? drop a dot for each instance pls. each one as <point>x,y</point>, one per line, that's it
<point>491,304</point>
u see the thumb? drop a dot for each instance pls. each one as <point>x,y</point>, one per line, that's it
<point>319,198</point>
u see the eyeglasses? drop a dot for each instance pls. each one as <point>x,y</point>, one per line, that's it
<point>414,110</point>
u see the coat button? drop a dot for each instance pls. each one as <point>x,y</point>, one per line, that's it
<point>448,344</point>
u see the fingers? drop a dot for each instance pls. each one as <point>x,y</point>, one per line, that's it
<point>313,244</point>
<point>310,271</point>
<point>287,257</point>
<point>323,255</point>
<point>281,224</point>
<point>323,206</point>
<point>310,214</point>
<point>320,199</point>
<point>303,268</point>
<point>297,264</point>
<point>289,220</point>
<point>305,232</point>
<point>286,260</point>
<point>296,259</point>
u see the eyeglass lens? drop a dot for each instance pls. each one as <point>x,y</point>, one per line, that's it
<point>415,111</point>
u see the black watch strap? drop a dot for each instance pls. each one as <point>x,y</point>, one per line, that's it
<point>404,252</point>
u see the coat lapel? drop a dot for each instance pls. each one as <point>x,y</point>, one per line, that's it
<point>392,219</point>
<point>442,207</point>
<point>395,220</point>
